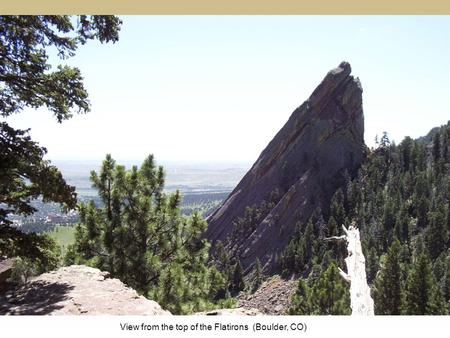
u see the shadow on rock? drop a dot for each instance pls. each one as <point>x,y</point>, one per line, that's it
<point>35,298</point>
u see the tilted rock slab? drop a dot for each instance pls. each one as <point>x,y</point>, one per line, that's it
<point>77,290</point>
<point>303,165</point>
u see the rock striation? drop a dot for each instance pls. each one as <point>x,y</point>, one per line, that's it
<point>298,172</point>
<point>77,290</point>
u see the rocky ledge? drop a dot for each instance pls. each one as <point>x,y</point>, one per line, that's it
<point>77,290</point>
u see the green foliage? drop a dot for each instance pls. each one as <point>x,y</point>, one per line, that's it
<point>436,234</point>
<point>300,302</point>
<point>237,283</point>
<point>399,199</point>
<point>327,294</point>
<point>423,296</point>
<point>330,294</point>
<point>244,226</point>
<point>22,270</point>
<point>372,264</point>
<point>25,176</point>
<point>24,70</point>
<point>257,275</point>
<point>24,267</point>
<point>27,80</point>
<point>139,236</point>
<point>387,290</point>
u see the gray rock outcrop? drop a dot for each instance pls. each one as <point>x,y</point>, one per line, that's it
<point>273,297</point>
<point>297,172</point>
<point>77,290</point>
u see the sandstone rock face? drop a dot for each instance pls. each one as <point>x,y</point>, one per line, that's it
<point>297,172</point>
<point>77,290</point>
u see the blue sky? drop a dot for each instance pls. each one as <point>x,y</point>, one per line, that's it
<point>218,88</point>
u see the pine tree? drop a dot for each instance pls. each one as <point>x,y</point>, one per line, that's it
<point>422,206</point>
<point>337,210</point>
<point>388,222</point>
<point>436,235</point>
<point>140,237</point>
<point>237,283</point>
<point>29,81</point>
<point>401,228</point>
<point>258,277</point>
<point>436,147</point>
<point>423,296</point>
<point>372,265</point>
<point>333,229</point>
<point>445,283</point>
<point>387,291</point>
<point>218,285</point>
<point>300,300</point>
<point>329,294</point>
<point>222,262</point>
<point>406,152</point>
<point>308,243</point>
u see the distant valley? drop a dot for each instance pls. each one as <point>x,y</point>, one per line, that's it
<point>203,186</point>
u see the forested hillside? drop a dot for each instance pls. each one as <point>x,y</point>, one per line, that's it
<point>400,202</point>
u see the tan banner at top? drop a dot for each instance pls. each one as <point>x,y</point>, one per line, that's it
<point>225,7</point>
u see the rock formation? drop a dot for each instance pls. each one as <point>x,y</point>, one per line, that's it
<point>273,297</point>
<point>76,290</point>
<point>296,173</point>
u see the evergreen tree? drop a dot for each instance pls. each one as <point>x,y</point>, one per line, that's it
<point>445,283</point>
<point>406,152</point>
<point>387,291</point>
<point>222,262</point>
<point>308,243</point>
<point>237,283</point>
<point>28,80</point>
<point>423,296</point>
<point>337,210</point>
<point>436,147</point>
<point>371,264</point>
<point>333,229</point>
<point>258,277</point>
<point>329,294</point>
<point>139,236</point>
<point>436,235</point>
<point>388,222</point>
<point>218,285</point>
<point>300,300</point>
<point>401,228</point>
